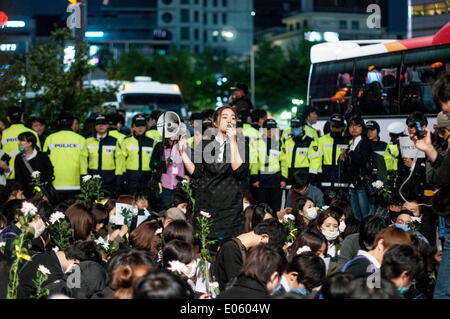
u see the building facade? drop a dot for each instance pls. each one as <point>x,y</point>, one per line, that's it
<point>428,16</point>
<point>197,24</point>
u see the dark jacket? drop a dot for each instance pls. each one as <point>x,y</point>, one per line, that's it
<point>246,288</point>
<point>28,273</point>
<point>242,104</point>
<point>349,249</point>
<point>379,147</point>
<point>220,189</point>
<point>40,163</point>
<point>438,173</point>
<point>416,185</point>
<point>358,163</point>
<point>228,263</point>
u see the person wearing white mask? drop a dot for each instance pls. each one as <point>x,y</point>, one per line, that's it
<point>328,225</point>
<point>304,273</point>
<point>304,212</point>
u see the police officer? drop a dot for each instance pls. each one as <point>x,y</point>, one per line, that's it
<point>68,153</point>
<point>115,122</point>
<point>137,152</point>
<point>266,176</point>
<point>300,152</point>
<point>10,142</point>
<point>379,147</point>
<point>392,153</point>
<point>152,126</point>
<point>331,146</point>
<point>105,157</point>
<point>309,131</point>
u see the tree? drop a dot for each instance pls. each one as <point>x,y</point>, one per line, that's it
<point>57,89</point>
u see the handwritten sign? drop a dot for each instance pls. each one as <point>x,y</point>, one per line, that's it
<point>408,149</point>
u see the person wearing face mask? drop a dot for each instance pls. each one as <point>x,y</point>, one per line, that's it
<point>328,225</point>
<point>402,264</point>
<point>29,161</point>
<point>331,146</point>
<point>379,148</point>
<point>300,152</point>
<point>260,275</point>
<point>137,152</point>
<point>304,212</point>
<point>403,220</point>
<point>9,135</point>
<point>304,273</point>
<point>60,264</point>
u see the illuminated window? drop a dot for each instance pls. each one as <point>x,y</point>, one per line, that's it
<point>441,8</point>
<point>429,9</point>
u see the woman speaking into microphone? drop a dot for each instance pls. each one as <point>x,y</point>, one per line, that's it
<point>221,166</point>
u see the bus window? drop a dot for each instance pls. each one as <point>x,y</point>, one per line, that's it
<point>331,87</point>
<point>420,70</point>
<point>375,84</point>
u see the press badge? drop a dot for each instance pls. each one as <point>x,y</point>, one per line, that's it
<point>174,170</point>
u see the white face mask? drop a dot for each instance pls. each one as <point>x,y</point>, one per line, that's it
<point>342,226</point>
<point>184,210</point>
<point>38,232</point>
<point>245,205</point>
<point>311,213</point>
<point>330,235</point>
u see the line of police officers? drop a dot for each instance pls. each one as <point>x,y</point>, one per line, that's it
<point>123,162</point>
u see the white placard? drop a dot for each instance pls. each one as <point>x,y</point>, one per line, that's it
<point>120,220</point>
<point>408,149</point>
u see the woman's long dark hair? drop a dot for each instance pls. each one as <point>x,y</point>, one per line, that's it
<point>298,207</point>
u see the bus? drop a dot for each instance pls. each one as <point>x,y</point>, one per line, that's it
<point>382,80</point>
<point>143,96</point>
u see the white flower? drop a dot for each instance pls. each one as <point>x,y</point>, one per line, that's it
<point>325,207</point>
<point>56,216</point>
<point>378,184</point>
<point>288,217</point>
<point>35,174</point>
<point>177,266</point>
<point>303,250</point>
<point>56,249</point>
<point>97,176</point>
<point>86,178</point>
<point>28,209</point>
<point>102,242</point>
<point>416,219</point>
<point>184,182</point>
<point>207,215</point>
<point>158,231</point>
<point>2,244</point>
<point>214,285</point>
<point>43,270</point>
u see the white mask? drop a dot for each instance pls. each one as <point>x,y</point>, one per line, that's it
<point>330,235</point>
<point>184,210</point>
<point>311,213</point>
<point>342,226</point>
<point>38,232</point>
<point>245,205</point>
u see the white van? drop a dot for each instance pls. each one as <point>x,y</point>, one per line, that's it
<point>143,96</point>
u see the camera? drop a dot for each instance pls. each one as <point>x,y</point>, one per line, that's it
<point>419,132</point>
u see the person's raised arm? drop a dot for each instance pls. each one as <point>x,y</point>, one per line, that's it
<point>425,145</point>
<point>236,160</point>
<point>190,167</point>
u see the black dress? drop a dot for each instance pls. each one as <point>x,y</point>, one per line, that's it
<point>220,189</point>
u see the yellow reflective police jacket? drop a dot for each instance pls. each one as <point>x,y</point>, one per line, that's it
<point>137,153</point>
<point>10,142</point>
<point>391,156</point>
<point>105,154</point>
<point>68,154</point>
<point>301,154</point>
